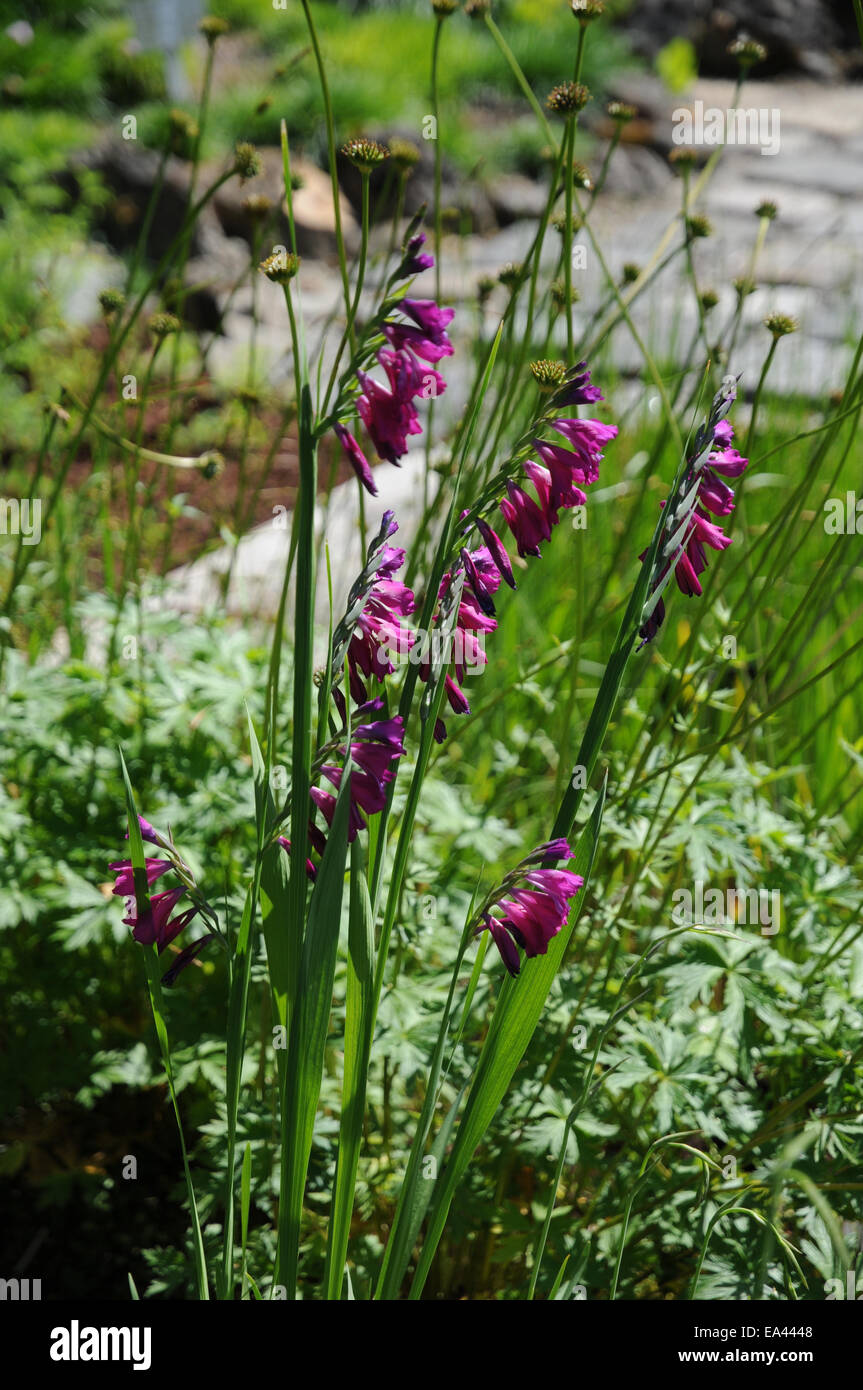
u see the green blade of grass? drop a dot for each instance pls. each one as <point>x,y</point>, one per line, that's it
<point>515,1018</point>
<point>308,1035</point>
<point>359,1026</point>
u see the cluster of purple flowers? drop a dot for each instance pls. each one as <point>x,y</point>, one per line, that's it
<point>375,749</point>
<point>379,631</point>
<point>713,496</point>
<point>475,616</point>
<point>414,344</point>
<point>156,925</point>
<point>558,483</point>
<point>564,471</point>
<point>533,905</point>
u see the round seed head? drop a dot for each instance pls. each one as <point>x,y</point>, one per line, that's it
<point>182,130</point>
<point>213,28</point>
<point>780,325</point>
<point>281,267</point>
<point>630,273</point>
<point>699,226</point>
<point>621,112</point>
<point>568,98</point>
<point>547,374</point>
<point>111,301</point>
<point>444,8</point>
<point>559,223</point>
<point>709,300</point>
<point>484,286</point>
<point>558,294</point>
<point>744,287</point>
<point>747,51</point>
<point>247,161</point>
<point>510,274</point>
<point>405,155</point>
<point>211,464</point>
<point>365,154</point>
<point>586,10</point>
<point>683,161</point>
<point>768,210</point>
<point>477,9</point>
<point>257,206</point>
<point>162,325</point>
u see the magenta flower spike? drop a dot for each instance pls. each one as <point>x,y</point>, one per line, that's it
<point>533,906</point>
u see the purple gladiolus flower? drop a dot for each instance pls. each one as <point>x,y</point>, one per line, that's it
<point>356,458</point>
<point>148,832</point>
<point>388,417</point>
<point>587,439</point>
<point>475,615</point>
<point>525,519</point>
<point>155,923</point>
<point>125,884</point>
<point>534,905</point>
<point>578,390</point>
<point>713,496</point>
<point>376,747</point>
<point>427,335</point>
<point>408,377</point>
<point>558,477</point>
<point>311,869</point>
<point>186,956</point>
<point>415,260</point>
<point>378,632</point>
<point>497,551</point>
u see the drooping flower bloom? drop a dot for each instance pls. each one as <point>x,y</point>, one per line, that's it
<point>528,523</point>
<point>587,440</point>
<point>357,459</point>
<point>408,377</point>
<point>414,343</point>
<point>533,906</point>
<point>388,417</point>
<point>497,551</point>
<point>370,634</point>
<point>149,832</point>
<point>155,924</point>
